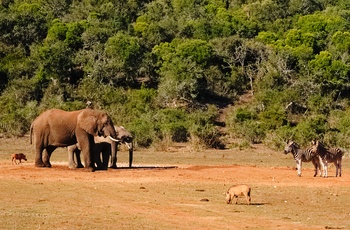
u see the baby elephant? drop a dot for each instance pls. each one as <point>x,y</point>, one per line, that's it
<point>18,156</point>
<point>238,190</point>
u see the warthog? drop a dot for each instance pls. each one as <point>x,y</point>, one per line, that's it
<point>238,190</point>
<point>18,156</point>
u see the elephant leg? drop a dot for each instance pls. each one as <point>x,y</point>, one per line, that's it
<point>114,149</point>
<point>71,151</point>
<point>106,152</point>
<point>97,155</point>
<point>87,144</point>
<point>78,159</point>
<point>131,154</point>
<point>38,157</point>
<point>47,155</point>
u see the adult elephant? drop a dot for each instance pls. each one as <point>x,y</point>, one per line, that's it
<point>104,147</point>
<point>57,128</point>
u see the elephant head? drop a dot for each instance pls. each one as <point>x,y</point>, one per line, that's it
<point>126,138</point>
<point>123,137</point>
<point>97,123</point>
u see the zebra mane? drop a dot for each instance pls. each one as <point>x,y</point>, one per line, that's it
<point>320,148</point>
<point>295,145</point>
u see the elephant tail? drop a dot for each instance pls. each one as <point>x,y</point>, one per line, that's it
<point>30,133</point>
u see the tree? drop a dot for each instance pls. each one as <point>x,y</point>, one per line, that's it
<point>25,25</point>
<point>333,75</point>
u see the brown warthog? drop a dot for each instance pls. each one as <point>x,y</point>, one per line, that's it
<point>238,190</point>
<point>18,156</point>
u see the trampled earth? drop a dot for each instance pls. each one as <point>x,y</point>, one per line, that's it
<point>176,189</point>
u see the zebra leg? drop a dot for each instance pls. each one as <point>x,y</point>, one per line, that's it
<point>316,165</point>
<point>316,169</point>
<point>325,173</point>
<point>321,166</point>
<point>299,167</point>
<point>336,164</point>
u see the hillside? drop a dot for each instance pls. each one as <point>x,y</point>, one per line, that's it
<point>178,71</point>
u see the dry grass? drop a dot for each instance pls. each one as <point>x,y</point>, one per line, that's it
<point>190,196</point>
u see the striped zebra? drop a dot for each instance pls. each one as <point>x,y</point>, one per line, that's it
<point>334,155</point>
<point>303,155</point>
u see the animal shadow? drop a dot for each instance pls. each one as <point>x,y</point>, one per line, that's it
<point>259,203</point>
<point>149,167</point>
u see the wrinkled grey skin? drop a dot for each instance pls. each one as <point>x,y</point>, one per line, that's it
<point>57,128</point>
<point>104,147</point>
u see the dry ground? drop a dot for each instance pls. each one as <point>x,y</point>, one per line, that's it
<point>177,189</point>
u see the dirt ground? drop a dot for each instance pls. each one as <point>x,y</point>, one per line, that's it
<point>177,189</point>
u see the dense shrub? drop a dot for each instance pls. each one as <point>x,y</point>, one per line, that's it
<point>164,69</point>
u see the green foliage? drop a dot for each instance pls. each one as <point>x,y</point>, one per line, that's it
<point>310,129</point>
<point>55,61</point>
<point>197,50</point>
<point>57,31</point>
<point>267,37</point>
<point>173,123</point>
<point>331,74</point>
<point>339,133</point>
<point>156,65</point>
<point>203,127</point>
<point>124,48</point>
<point>295,38</point>
<point>73,35</point>
<point>181,69</point>
<point>18,107</point>
<point>23,25</point>
<point>144,130</point>
<point>243,123</point>
<point>341,40</point>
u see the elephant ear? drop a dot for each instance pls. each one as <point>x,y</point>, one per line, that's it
<point>87,120</point>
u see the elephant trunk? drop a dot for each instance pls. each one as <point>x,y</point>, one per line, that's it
<point>114,149</point>
<point>131,152</point>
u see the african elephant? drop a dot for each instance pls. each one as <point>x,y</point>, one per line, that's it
<point>57,128</point>
<point>104,147</point>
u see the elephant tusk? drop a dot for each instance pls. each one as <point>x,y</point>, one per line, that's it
<point>118,141</point>
<point>128,144</point>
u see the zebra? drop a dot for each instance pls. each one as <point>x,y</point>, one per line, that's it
<point>303,155</point>
<point>334,155</point>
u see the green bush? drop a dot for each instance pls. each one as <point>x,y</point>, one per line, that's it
<point>173,123</point>
<point>243,122</point>
<point>144,130</point>
<point>202,126</point>
<point>313,127</point>
<point>18,107</point>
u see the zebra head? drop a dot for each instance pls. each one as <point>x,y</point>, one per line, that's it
<point>291,146</point>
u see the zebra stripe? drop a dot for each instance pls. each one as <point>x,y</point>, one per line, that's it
<point>302,155</point>
<point>332,155</point>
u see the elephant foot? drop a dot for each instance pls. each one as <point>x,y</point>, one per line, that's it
<point>39,164</point>
<point>101,168</point>
<point>72,167</point>
<point>89,169</point>
<point>80,166</point>
<point>113,167</point>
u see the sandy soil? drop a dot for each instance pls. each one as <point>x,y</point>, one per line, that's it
<point>171,196</point>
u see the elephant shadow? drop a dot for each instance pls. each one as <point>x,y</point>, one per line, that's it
<point>148,167</point>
